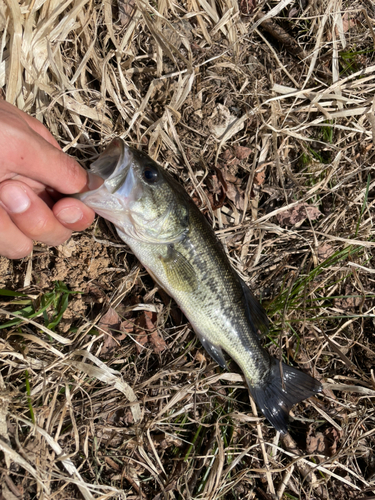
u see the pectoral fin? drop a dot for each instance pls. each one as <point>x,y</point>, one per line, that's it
<point>180,273</point>
<point>214,351</point>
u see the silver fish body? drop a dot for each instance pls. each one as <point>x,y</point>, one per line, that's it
<point>155,216</point>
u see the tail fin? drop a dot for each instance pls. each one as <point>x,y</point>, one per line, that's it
<point>275,399</point>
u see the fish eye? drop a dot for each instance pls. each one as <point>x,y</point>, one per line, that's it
<point>150,174</point>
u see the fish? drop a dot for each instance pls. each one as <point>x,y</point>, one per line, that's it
<point>157,219</point>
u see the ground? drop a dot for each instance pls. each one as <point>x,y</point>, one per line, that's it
<point>105,392</point>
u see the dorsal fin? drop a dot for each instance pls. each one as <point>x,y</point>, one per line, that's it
<point>255,313</point>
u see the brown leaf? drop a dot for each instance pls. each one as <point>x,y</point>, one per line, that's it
<point>158,342</point>
<point>229,159</point>
<point>221,178</point>
<point>324,251</point>
<point>227,155</point>
<point>147,320</point>
<point>147,332</point>
<point>260,177</point>
<point>127,326</point>
<point>349,302</point>
<point>297,215</point>
<point>347,22</point>
<point>216,186</point>
<point>323,442</point>
<point>247,6</point>
<point>315,444</point>
<point>110,323</point>
<point>233,188</point>
<point>235,195</point>
<point>242,152</point>
<point>126,11</point>
<point>332,437</point>
<point>140,334</point>
<point>229,177</point>
<point>200,357</point>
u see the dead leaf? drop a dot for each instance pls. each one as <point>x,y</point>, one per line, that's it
<point>259,177</point>
<point>324,251</point>
<point>315,444</point>
<point>127,326</point>
<point>348,22</point>
<point>222,120</point>
<point>141,337</point>
<point>232,187</point>
<point>298,214</point>
<point>126,10</point>
<point>227,155</point>
<point>146,332</point>
<point>332,437</point>
<point>200,357</point>
<point>247,7</point>
<point>158,342</point>
<point>325,443</point>
<point>235,195</point>
<point>148,319</point>
<point>110,323</point>
<point>351,301</point>
<point>218,187</point>
<point>242,152</point>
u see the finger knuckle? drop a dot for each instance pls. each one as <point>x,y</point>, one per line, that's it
<point>39,227</point>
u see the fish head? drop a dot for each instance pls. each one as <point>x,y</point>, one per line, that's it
<point>138,196</point>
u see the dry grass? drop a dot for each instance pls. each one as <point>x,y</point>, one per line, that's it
<point>274,139</point>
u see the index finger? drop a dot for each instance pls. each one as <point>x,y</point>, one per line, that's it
<point>27,153</point>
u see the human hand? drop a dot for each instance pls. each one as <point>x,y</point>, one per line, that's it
<point>33,173</point>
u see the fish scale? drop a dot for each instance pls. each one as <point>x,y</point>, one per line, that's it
<point>154,215</point>
<point>216,309</point>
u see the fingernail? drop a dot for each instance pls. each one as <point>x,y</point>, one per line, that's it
<point>70,215</point>
<point>14,199</point>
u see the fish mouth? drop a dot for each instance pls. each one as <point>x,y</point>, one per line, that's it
<point>120,189</point>
<point>109,159</point>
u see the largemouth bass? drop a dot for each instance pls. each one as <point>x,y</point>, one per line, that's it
<point>155,216</point>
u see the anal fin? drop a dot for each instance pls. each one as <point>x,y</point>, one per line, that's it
<point>214,351</point>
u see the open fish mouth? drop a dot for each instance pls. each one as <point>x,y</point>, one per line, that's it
<point>120,189</point>
<point>109,160</point>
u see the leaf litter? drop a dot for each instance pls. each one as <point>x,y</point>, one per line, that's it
<point>265,113</point>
